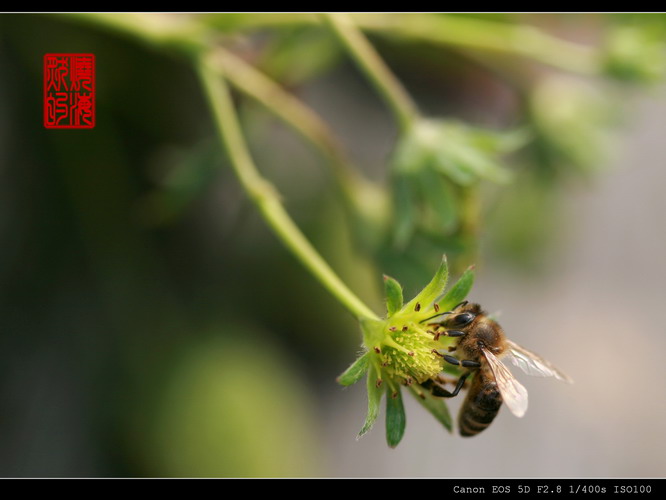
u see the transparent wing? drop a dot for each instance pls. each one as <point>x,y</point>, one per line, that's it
<point>533,364</point>
<point>513,393</point>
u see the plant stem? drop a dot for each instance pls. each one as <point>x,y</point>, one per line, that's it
<point>295,113</point>
<point>189,38</point>
<point>263,194</point>
<point>449,30</point>
<point>375,69</point>
<point>487,35</point>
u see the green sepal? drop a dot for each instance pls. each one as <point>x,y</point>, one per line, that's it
<point>373,332</point>
<point>354,373</point>
<point>465,163</point>
<point>395,418</point>
<point>433,289</point>
<point>458,291</point>
<point>393,292</point>
<point>374,398</point>
<point>436,406</point>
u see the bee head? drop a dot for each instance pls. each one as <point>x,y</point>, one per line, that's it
<point>463,314</point>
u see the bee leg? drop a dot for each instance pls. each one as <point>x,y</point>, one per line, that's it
<point>439,391</point>
<point>451,359</point>
<point>436,389</point>
<point>461,382</point>
<point>467,363</point>
<point>453,333</point>
<point>443,380</point>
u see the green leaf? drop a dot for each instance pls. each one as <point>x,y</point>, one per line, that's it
<point>393,292</point>
<point>447,160</point>
<point>410,155</point>
<point>395,418</point>
<point>374,398</point>
<point>404,211</point>
<point>634,53</point>
<point>439,201</point>
<point>433,289</point>
<point>357,369</point>
<point>436,406</point>
<point>500,142</point>
<point>458,291</point>
<point>299,55</point>
<point>472,162</point>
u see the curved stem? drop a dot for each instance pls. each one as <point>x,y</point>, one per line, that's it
<point>374,68</point>
<point>263,194</point>
<point>295,113</point>
<point>449,30</point>
<point>487,35</point>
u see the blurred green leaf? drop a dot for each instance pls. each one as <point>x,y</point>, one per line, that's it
<point>440,205</point>
<point>635,53</point>
<point>395,418</point>
<point>463,153</point>
<point>375,391</point>
<point>571,122</point>
<point>300,54</point>
<point>458,291</point>
<point>393,292</point>
<point>354,373</point>
<point>495,142</point>
<point>405,210</point>
<point>432,161</point>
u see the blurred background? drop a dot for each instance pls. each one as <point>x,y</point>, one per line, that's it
<point>151,324</point>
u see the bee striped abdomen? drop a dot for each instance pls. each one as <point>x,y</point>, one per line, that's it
<point>481,405</point>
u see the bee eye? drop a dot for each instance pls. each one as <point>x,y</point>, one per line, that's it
<point>461,319</point>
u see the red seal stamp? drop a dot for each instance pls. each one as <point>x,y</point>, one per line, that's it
<point>69,90</point>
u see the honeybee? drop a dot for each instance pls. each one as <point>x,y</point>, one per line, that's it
<point>481,344</point>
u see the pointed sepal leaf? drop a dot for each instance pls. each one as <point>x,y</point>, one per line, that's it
<point>393,292</point>
<point>395,418</point>
<point>436,406</point>
<point>375,391</point>
<point>458,291</point>
<point>433,289</point>
<point>354,373</point>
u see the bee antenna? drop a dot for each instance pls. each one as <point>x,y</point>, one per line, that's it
<point>431,317</point>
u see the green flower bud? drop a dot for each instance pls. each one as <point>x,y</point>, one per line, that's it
<point>431,162</point>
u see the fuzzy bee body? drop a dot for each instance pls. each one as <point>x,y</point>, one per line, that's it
<point>481,405</point>
<point>481,344</point>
